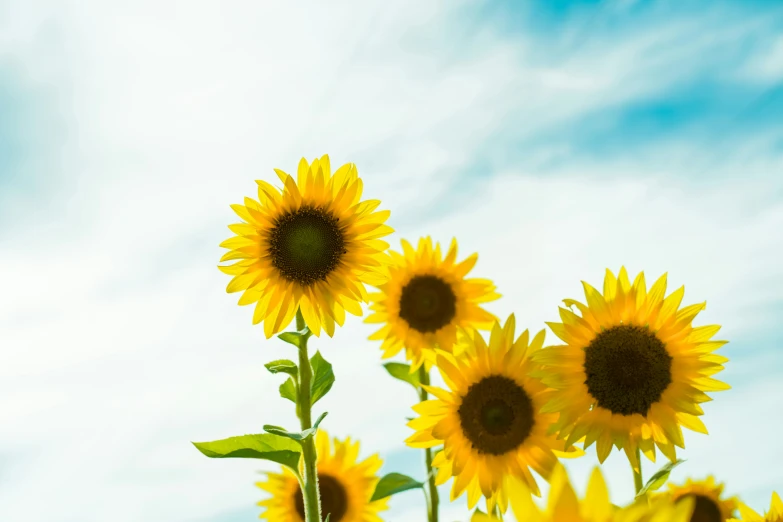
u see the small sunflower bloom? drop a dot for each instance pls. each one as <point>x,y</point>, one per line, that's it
<point>709,503</point>
<point>632,371</point>
<point>564,506</point>
<point>311,245</point>
<point>489,421</point>
<point>425,298</point>
<point>775,513</point>
<point>346,486</point>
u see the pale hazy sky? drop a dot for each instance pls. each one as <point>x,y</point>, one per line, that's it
<point>556,139</point>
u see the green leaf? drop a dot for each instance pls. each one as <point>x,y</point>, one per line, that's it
<point>296,338</point>
<point>323,377</point>
<point>291,338</point>
<point>659,478</point>
<point>328,516</point>
<point>282,432</point>
<point>392,484</point>
<point>288,390</point>
<point>403,372</point>
<point>299,437</point>
<point>319,419</point>
<point>284,366</point>
<point>260,446</point>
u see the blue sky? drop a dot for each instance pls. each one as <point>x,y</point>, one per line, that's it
<point>554,138</point>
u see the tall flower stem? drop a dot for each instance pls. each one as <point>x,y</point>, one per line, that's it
<point>638,483</point>
<point>312,499</point>
<point>432,497</point>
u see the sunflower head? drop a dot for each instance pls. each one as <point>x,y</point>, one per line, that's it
<point>632,371</point>
<point>488,420</point>
<point>310,245</point>
<point>775,513</point>
<point>346,486</point>
<point>707,496</point>
<point>425,298</point>
<point>564,505</point>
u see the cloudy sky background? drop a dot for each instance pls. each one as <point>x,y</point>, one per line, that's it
<point>554,138</point>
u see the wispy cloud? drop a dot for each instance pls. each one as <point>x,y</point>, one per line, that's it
<point>555,143</point>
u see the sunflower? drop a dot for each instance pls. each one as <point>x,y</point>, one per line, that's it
<point>489,421</point>
<point>709,506</point>
<point>775,513</point>
<point>633,369</point>
<point>425,298</point>
<point>312,245</point>
<point>346,486</point>
<point>564,506</point>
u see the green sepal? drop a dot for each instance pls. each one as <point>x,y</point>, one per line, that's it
<point>298,437</point>
<point>296,338</point>
<point>403,373</point>
<point>659,478</point>
<point>323,377</point>
<point>392,484</point>
<point>260,446</point>
<point>328,516</point>
<point>283,366</point>
<point>288,390</point>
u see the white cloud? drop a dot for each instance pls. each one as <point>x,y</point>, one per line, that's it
<point>768,64</point>
<point>119,343</point>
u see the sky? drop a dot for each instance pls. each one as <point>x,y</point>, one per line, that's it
<point>556,139</point>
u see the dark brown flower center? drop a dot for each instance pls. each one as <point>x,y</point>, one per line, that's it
<point>704,510</point>
<point>496,415</point>
<point>627,368</point>
<point>427,303</point>
<point>334,499</point>
<point>306,245</point>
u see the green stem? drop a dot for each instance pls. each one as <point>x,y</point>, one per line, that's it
<point>312,499</point>
<point>432,498</point>
<point>638,483</point>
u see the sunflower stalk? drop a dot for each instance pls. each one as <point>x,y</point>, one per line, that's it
<point>638,482</point>
<point>310,493</point>
<point>432,489</point>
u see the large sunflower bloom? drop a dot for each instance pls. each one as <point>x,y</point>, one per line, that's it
<point>710,506</point>
<point>564,506</point>
<point>311,245</point>
<point>425,298</point>
<point>633,369</point>
<point>775,513</point>
<point>346,486</point>
<point>489,421</point>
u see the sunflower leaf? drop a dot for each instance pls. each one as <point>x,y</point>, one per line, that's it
<point>288,390</point>
<point>319,419</point>
<point>298,437</point>
<point>282,432</point>
<point>392,484</point>
<point>294,338</point>
<point>659,478</point>
<point>403,373</point>
<point>284,366</point>
<point>323,377</point>
<point>260,446</point>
